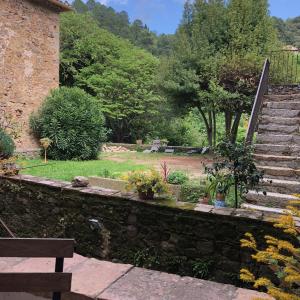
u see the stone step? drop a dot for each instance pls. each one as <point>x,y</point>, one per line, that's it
<point>282,113</point>
<point>273,149</point>
<point>279,129</point>
<point>280,172</point>
<point>270,199</point>
<point>287,187</point>
<point>278,139</point>
<point>292,162</point>
<point>278,120</point>
<point>291,105</point>
<point>287,97</point>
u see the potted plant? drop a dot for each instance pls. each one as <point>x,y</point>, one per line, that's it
<point>206,198</point>
<point>146,184</point>
<point>236,162</point>
<point>220,184</point>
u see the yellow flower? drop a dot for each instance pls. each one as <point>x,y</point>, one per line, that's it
<point>262,282</point>
<point>246,276</point>
<point>248,243</point>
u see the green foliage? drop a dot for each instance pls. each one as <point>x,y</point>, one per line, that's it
<point>119,75</point>
<point>118,23</point>
<point>202,268</point>
<point>177,177</point>
<point>217,60</point>
<point>234,168</point>
<point>288,30</point>
<point>219,182</point>
<point>7,145</point>
<point>107,174</point>
<point>146,182</point>
<point>192,192</point>
<point>187,130</point>
<point>73,121</point>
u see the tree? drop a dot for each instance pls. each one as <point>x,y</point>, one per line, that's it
<point>218,52</point>
<point>119,75</point>
<point>118,23</point>
<point>80,6</point>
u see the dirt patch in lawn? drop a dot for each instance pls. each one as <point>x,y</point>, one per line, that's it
<point>192,165</point>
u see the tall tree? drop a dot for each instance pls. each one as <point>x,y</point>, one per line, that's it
<point>218,52</point>
<point>118,74</point>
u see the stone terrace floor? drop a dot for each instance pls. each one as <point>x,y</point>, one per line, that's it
<point>95,279</point>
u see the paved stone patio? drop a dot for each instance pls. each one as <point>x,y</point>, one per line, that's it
<point>102,280</point>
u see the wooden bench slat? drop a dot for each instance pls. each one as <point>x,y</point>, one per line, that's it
<point>11,247</point>
<point>35,282</point>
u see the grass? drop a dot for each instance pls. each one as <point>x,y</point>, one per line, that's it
<point>67,170</point>
<point>109,165</point>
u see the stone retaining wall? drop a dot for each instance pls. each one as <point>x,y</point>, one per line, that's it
<point>201,241</point>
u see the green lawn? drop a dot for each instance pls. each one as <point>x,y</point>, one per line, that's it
<point>67,170</point>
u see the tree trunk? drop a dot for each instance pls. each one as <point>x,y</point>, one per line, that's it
<point>208,127</point>
<point>228,122</point>
<point>235,127</point>
<point>214,129</point>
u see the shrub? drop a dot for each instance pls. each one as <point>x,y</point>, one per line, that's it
<point>192,192</point>
<point>280,255</point>
<point>177,177</point>
<point>7,145</point>
<point>73,121</point>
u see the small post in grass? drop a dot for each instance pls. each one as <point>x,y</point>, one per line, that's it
<point>45,143</point>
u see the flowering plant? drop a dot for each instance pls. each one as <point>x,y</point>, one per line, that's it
<point>146,183</point>
<point>281,256</point>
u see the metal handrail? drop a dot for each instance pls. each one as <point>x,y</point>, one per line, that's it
<point>258,102</point>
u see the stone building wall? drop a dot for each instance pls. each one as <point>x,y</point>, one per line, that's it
<point>204,243</point>
<point>29,59</point>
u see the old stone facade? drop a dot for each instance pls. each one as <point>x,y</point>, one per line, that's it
<point>29,59</point>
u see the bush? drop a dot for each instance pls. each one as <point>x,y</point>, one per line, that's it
<point>188,130</point>
<point>192,192</point>
<point>7,145</point>
<point>177,177</point>
<point>73,120</point>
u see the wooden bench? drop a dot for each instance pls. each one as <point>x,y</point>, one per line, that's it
<point>55,283</point>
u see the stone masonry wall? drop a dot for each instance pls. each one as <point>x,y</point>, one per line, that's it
<point>29,60</point>
<point>204,244</point>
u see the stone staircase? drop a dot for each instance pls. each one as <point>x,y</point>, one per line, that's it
<point>277,148</point>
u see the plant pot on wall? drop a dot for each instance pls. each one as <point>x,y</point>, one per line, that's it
<point>205,200</point>
<point>149,195</point>
<point>220,200</point>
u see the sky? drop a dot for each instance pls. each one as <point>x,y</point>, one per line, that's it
<point>163,16</point>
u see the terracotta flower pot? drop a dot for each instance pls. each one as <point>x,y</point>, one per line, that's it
<point>220,197</point>
<point>149,195</point>
<point>205,200</point>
